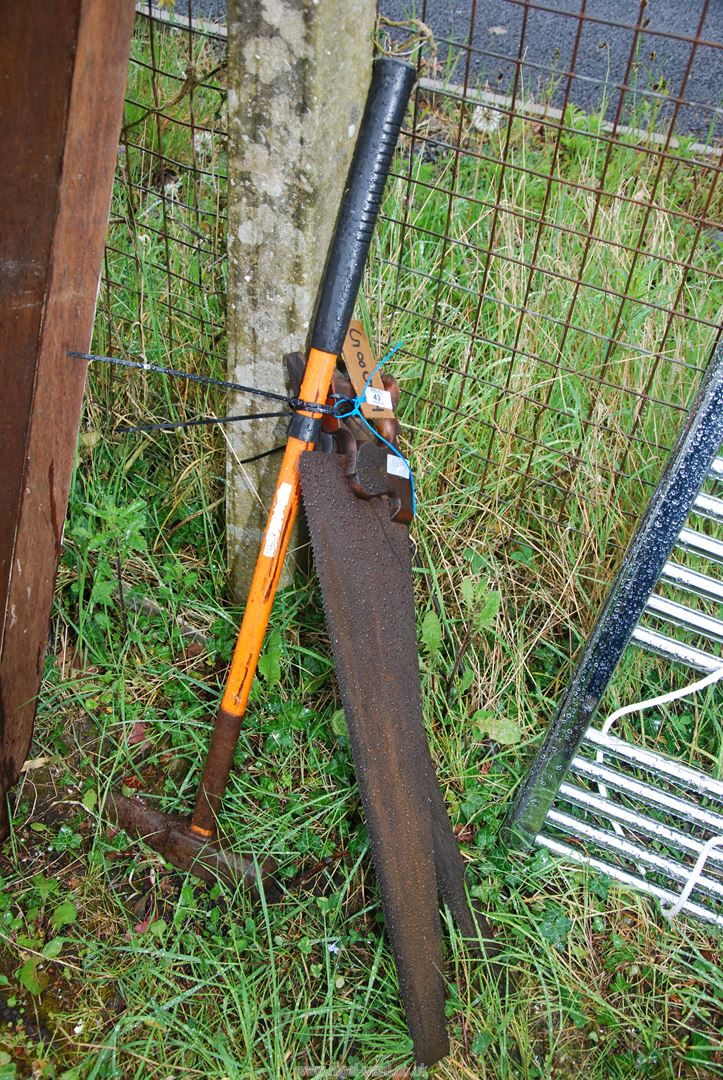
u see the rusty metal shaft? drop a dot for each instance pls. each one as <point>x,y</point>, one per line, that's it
<point>172,837</point>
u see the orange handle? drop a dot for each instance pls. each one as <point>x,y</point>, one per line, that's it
<point>314,388</point>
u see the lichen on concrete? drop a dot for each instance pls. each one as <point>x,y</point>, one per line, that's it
<point>298,76</point>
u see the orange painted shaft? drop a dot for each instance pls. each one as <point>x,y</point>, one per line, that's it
<point>314,388</point>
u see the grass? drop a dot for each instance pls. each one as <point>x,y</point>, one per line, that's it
<point>117,966</point>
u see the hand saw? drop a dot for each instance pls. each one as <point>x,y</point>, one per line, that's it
<point>357,512</point>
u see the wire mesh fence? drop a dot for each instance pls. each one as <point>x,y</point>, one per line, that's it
<point>163,288</point>
<point>555,265</point>
<point>552,262</point>
<point>549,252</point>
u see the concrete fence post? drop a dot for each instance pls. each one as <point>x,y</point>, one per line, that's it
<point>298,76</point>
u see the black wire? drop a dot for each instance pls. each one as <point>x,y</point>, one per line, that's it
<point>172,425</point>
<point>205,380</point>
<point>263,454</point>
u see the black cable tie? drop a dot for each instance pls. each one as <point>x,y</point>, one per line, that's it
<point>258,457</point>
<point>345,407</point>
<point>312,406</point>
<point>337,409</point>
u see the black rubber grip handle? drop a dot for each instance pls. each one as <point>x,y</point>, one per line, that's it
<point>389,92</point>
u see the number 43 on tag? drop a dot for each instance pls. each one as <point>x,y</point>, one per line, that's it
<point>381,398</point>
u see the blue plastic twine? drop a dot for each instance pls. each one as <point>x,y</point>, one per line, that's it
<point>355,410</point>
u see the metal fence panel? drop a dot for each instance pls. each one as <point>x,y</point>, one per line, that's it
<point>163,290</point>
<point>552,263</point>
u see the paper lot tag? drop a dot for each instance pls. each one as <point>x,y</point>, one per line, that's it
<point>357,355</point>
<point>381,399</point>
<point>397,467</point>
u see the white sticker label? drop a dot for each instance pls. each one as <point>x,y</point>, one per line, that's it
<point>381,398</point>
<point>396,467</point>
<point>276,521</point>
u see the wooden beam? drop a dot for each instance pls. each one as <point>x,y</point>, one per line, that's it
<point>63,69</point>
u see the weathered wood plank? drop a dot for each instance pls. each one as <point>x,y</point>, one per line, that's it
<point>64,68</point>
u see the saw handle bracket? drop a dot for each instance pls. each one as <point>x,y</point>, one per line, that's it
<point>365,469</point>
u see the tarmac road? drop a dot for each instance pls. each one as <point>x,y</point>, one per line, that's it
<point>549,40</point>
<point>603,50</point>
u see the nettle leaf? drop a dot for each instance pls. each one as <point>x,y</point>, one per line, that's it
<point>482,602</point>
<point>102,591</point>
<point>102,620</point>
<point>338,723</point>
<point>270,663</point>
<point>64,914</point>
<point>487,615</point>
<point>28,976</point>
<point>122,526</point>
<point>474,559</point>
<point>80,532</point>
<point>99,539</point>
<point>500,728</point>
<point>270,669</point>
<point>468,589</point>
<point>432,632</point>
<point>523,554</point>
<point>465,680</point>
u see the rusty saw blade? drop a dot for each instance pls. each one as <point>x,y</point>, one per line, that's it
<point>364,565</point>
